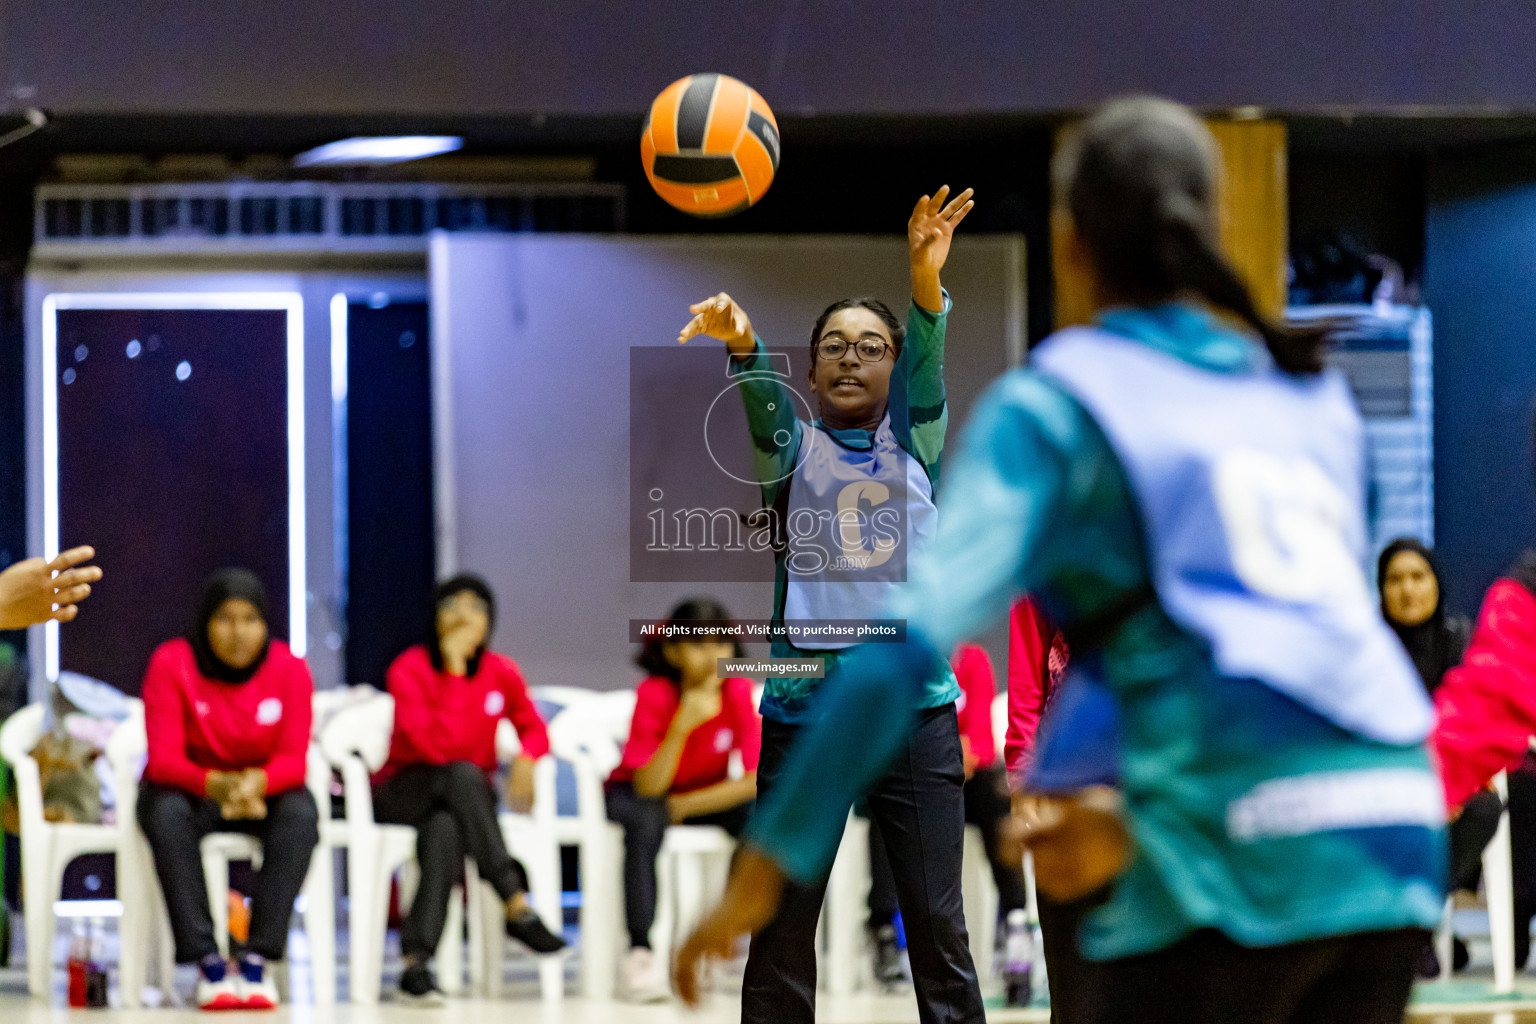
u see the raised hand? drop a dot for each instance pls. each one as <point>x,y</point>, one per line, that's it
<point>36,591</point>
<point>720,317</point>
<point>930,230</point>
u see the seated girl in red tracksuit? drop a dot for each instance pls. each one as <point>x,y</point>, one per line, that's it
<point>227,715</point>
<point>675,770</point>
<point>450,695</point>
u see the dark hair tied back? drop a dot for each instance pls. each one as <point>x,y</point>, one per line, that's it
<point>1139,179</point>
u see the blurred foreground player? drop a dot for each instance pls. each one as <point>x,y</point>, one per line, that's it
<point>1188,505</point>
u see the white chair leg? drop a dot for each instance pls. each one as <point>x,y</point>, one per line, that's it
<point>320,926</point>
<point>544,881</point>
<point>372,979</point>
<point>154,927</point>
<point>1031,898</point>
<point>1445,940</point>
<point>602,911</point>
<point>488,941</point>
<point>134,928</point>
<point>362,866</point>
<point>216,878</point>
<point>42,883</point>
<point>979,897</point>
<point>687,894</point>
<point>846,892</point>
<point>1499,887</point>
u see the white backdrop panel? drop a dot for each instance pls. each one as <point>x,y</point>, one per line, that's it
<point>531,339</point>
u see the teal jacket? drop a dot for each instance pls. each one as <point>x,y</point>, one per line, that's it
<point>1038,502</point>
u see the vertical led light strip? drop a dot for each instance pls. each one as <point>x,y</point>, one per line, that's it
<point>339,513</point>
<point>50,467</point>
<point>298,581</point>
<point>290,302</point>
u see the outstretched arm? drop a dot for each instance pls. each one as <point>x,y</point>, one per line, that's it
<point>770,405</point>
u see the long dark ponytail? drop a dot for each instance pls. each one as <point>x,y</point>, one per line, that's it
<point>1139,179</point>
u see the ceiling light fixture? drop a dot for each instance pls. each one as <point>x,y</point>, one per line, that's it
<point>377,149</point>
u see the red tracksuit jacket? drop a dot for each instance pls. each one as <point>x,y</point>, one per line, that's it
<point>1036,660</point>
<point>195,725</point>
<point>1486,707</point>
<point>442,718</point>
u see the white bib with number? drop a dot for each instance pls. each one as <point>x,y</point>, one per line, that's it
<point>1251,491</point>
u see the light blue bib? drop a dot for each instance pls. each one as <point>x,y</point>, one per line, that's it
<point>1250,486</point>
<point>854,518</point>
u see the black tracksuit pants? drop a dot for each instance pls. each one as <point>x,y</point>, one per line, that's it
<point>986,805</point>
<point>645,821</point>
<point>175,822</point>
<point>453,809</point>
<point>920,811</point>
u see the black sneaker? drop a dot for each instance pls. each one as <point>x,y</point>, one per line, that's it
<point>528,928</point>
<point>888,970</point>
<point>419,988</point>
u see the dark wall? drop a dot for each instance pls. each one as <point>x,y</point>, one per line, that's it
<point>15,238</point>
<point>1348,206</point>
<point>173,463</point>
<point>864,56</point>
<point>1480,285</point>
<point>390,539</point>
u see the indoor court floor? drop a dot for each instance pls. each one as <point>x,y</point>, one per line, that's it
<point>1462,1001</point>
<point>16,1008</point>
<point>524,1007</point>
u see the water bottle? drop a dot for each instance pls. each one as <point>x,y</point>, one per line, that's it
<point>1018,958</point>
<point>78,963</point>
<point>95,972</point>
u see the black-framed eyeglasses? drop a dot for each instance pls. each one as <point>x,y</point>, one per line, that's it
<point>869,350</point>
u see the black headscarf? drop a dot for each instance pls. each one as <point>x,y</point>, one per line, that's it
<point>224,585</point>
<point>1523,571</point>
<point>1436,644</point>
<point>448,588</point>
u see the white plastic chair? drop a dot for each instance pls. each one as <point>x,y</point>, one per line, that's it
<point>356,742</point>
<point>218,850</point>
<point>587,735</point>
<point>590,737</point>
<point>532,840</point>
<point>48,847</point>
<point>1499,892</point>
